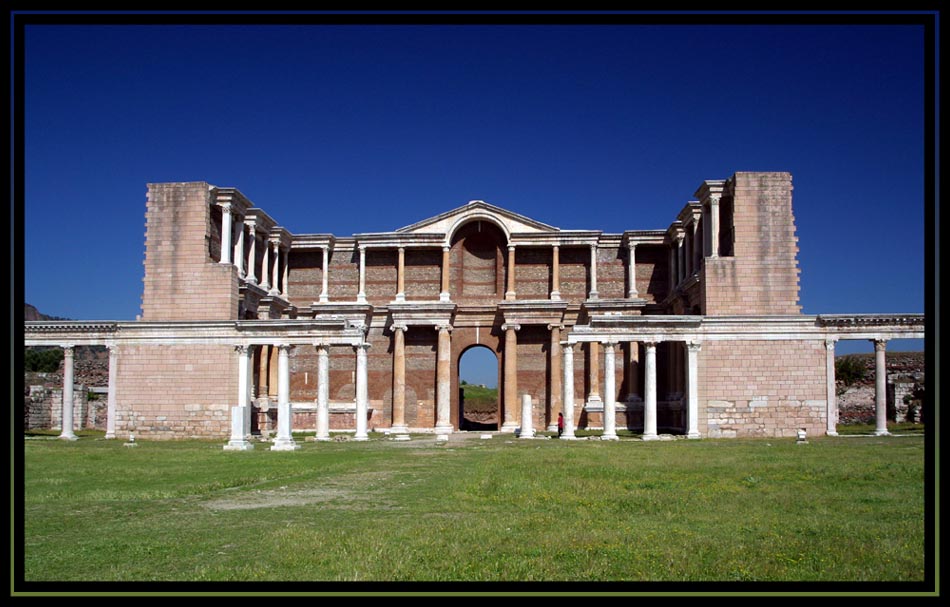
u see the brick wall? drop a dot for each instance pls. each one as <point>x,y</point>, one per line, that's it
<point>762,276</point>
<point>762,388</point>
<point>183,280</point>
<point>175,391</point>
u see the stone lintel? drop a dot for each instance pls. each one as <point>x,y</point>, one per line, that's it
<point>415,314</point>
<point>533,312</point>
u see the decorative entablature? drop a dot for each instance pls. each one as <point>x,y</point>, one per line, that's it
<point>691,213</point>
<point>676,231</point>
<point>280,235</point>
<point>259,219</point>
<point>638,237</point>
<point>532,312</point>
<point>618,327</point>
<point>233,198</point>
<point>395,240</point>
<point>313,241</point>
<point>355,314</point>
<point>559,238</point>
<point>710,190</point>
<point>447,223</point>
<point>611,307</point>
<point>332,330</point>
<point>415,314</point>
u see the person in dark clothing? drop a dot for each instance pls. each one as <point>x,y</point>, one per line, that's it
<point>560,424</point>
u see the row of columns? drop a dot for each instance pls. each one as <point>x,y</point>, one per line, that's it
<point>649,390</point>
<point>68,417</point>
<point>880,388</point>
<point>510,294</point>
<point>274,277</point>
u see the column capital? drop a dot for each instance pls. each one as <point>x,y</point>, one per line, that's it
<point>694,346</point>
<point>714,199</point>
<point>609,344</point>
<point>632,245</point>
<point>322,347</point>
<point>830,342</point>
<point>593,246</point>
<point>241,348</point>
<point>225,207</point>
<point>362,247</point>
<point>285,347</point>
<point>559,327</point>
<point>568,346</point>
<point>556,246</point>
<point>68,349</point>
<point>511,326</point>
<point>440,328</point>
<point>649,345</point>
<point>275,244</point>
<point>363,347</point>
<point>511,247</point>
<point>113,350</point>
<point>446,248</point>
<point>397,327</point>
<point>879,344</point>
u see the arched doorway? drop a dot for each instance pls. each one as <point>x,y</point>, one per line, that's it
<point>478,389</point>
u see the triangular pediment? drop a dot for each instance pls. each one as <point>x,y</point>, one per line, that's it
<point>477,210</point>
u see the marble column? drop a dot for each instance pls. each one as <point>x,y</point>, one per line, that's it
<point>361,296</point>
<point>443,395</point>
<point>831,411</point>
<point>362,401</point>
<point>610,392</point>
<point>225,233</point>
<point>401,276</point>
<point>880,387</point>
<point>110,399</point>
<point>511,377</point>
<point>697,248</point>
<point>444,295</point>
<point>632,271</point>
<point>632,366</point>
<point>265,266</point>
<point>649,390</point>
<point>323,392</point>
<point>593,273</point>
<point>240,427</point>
<point>527,421</point>
<point>252,254</point>
<point>714,226</point>
<point>554,406</point>
<point>555,273</point>
<point>285,439</point>
<point>568,385</point>
<point>263,371</point>
<point>680,261</point>
<point>687,256</point>
<point>67,418</point>
<point>510,293</point>
<point>274,379</point>
<point>692,388</point>
<point>324,293</point>
<point>399,380</point>
<point>239,249</point>
<point>286,275</point>
<point>593,397</point>
<point>275,275</point>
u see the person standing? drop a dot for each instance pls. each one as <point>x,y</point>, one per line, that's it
<point>560,424</point>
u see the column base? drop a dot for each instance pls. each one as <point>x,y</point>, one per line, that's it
<point>444,297</point>
<point>361,438</point>
<point>552,428</point>
<point>693,435</point>
<point>361,298</point>
<point>238,445</point>
<point>567,436</point>
<point>109,436</point>
<point>265,286</point>
<point>831,433</point>
<point>650,437</point>
<point>509,427</point>
<point>400,298</point>
<point>609,437</point>
<point>444,429</point>
<point>529,434</point>
<point>881,433</point>
<point>285,444</point>
<point>252,280</point>
<point>593,295</point>
<point>324,298</point>
<point>594,403</point>
<point>403,429</point>
<point>68,437</point>
<point>555,296</point>
<point>274,293</point>
<point>510,296</point>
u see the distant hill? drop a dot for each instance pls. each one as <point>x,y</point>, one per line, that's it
<point>31,313</point>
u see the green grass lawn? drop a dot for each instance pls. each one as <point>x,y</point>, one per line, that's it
<point>501,509</point>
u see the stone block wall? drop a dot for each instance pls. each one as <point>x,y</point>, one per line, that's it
<point>175,391</point>
<point>762,388</point>
<point>761,277</point>
<point>183,279</point>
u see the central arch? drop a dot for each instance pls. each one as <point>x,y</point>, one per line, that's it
<point>479,404</point>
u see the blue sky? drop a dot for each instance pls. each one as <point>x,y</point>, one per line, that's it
<point>362,128</point>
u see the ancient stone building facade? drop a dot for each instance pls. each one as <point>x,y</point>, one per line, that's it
<point>248,328</point>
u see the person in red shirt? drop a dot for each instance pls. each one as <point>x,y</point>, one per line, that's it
<point>560,424</point>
